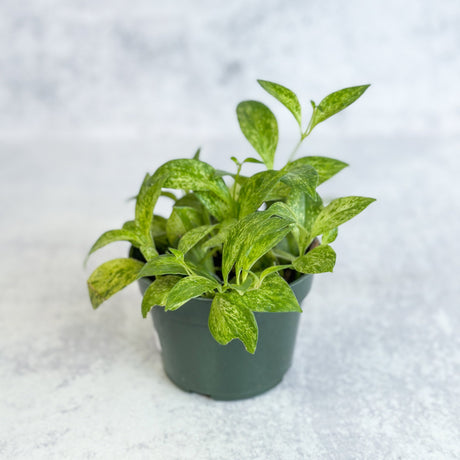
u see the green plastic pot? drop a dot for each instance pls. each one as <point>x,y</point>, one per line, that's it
<point>195,362</point>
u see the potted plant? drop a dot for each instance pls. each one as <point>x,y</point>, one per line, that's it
<point>235,257</point>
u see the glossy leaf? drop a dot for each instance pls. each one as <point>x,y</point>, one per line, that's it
<point>193,237</point>
<point>339,211</point>
<point>273,295</point>
<point>157,292</point>
<point>318,260</point>
<point>272,269</point>
<point>330,236</point>
<point>229,320</point>
<point>145,203</point>
<point>285,96</point>
<point>221,236</point>
<point>326,167</point>
<point>165,264</point>
<point>336,102</point>
<point>115,235</point>
<point>260,128</point>
<point>250,238</point>
<point>111,277</point>
<point>181,220</point>
<point>216,206</point>
<point>188,288</point>
<point>301,177</point>
<point>189,174</point>
<point>255,191</point>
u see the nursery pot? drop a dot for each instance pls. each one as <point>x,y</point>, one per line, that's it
<point>195,362</point>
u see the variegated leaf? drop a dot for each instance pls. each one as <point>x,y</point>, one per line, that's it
<point>250,238</point>
<point>181,220</point>
<point>228,320</point>
<point>115,235</point>
<point>330,236</point>
<point>111,277</point>
<point>157,292</point>
<point>336,102</point>
<point>318,260</point>
<point>165,264</point>
<point>339,211</point>
<point>145,203</point>
<point>301,177</point>
<point>194,236</point>
<point>187,174</point>
<point>326,167</point>
<point>273,295</point>
<point>255,191</point>
<point>188,288</point>
<point>285,96</point>
<point>260,128</point>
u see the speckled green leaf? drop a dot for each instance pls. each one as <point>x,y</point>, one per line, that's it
<point>223,230</point>
<point>272,269</point>
<point>111,277</point>
<point>335,102</point>
<point>301,177</point>
<point>250,238</point>
<point>318,260</point>
<point>330,236</point>
<point>215,205</point>
<point>115,235</point>
<point>273,295</point>
<point>189,174</point>
<point>255,191</point>
<point>285,96</point>
<point>229,320</point>
<point>304,207</point>
<point>193,236</point>
<point>145,203</point>
<point>260,128</point>
<point>326,167</point>
<point>188,288</point>
<point>165,264</point>
<point>157,292</point>
<point>181,220</point>
<point>283,210</point>
<point>339,211</point>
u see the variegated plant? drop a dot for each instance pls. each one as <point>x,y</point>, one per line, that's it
<point>238,241</point>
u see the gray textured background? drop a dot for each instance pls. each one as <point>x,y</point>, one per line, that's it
<point>94,94</point>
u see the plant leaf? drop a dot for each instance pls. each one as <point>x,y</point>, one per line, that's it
<point>216,206</point>
<point>273,295</point>
<point>336,102</point>
<point>250,238</point>
<point>181,220</point>
<point>189,174</point>
<point>197,154</point>
<point>330,236</point>
<point>156,293</point>
<point>115,235</point>
<point>287,97</point>
<point>260,128</point>
<point>326,167</point>
<point>145,203</point>
<point>188,288</point>
<point>165,264</point>
<point>111,277</point>
<point>302,177</point>
<point>194,236</point>
<point>255,190</point>
<point>339,211</point>
<point>272,269</point>
<point>318,260</point>
<point>228,321</point>
<point>218,239</point>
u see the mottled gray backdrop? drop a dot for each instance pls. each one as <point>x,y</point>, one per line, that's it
<point>134,69</point>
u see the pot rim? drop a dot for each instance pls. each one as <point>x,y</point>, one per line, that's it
<point>207,299</point>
